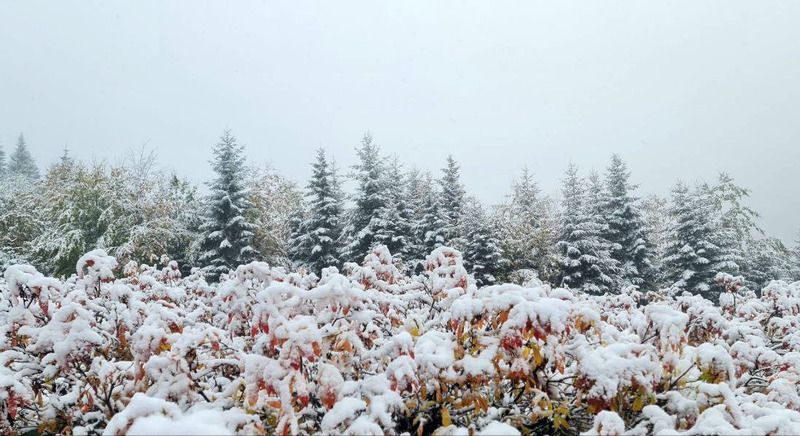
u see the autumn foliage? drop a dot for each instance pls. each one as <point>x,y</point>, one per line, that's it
<point>373,350</point>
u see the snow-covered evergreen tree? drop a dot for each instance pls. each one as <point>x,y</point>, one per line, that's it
<point>483,256</point>
<point>526,229</point>
<point>452,202</point>
<point>227,236</point>
<point>767,259</point>
<point>21,220</point>
<point>315,244</point>
<point>186,218</point>
<point>2,162</point>
<point>427,225</point>
<point>584,255</point>
<point>394,224</point>
<point>21,163</point>
<point>655,212</point>
<point>626,228</point>
<point>796,259</point>
<point>371,197</point>
<point>736,226</point>
<point>693,254</point>
<point>734,215</point>
<point>430,227</point>
<point>597,199</point>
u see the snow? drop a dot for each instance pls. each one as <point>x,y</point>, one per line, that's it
<point>152,416</point>
<point>496,428</point>
<point>607,423</point>
<point>373,349</point>
<point>205,422</point>
<point>344,410</point>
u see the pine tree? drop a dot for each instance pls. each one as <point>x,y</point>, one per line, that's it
<point>430,228</point>
<point>768,259</point>
<point>426,222</point>
<point>21,218</point>
<point>736,225</point>
<point>584,256</point>
<point>734,215</point>
<point>520,222</point>
<point>227,236</point>
<point>526,228</point>
<point>370,199</point>
<point>65,158</point>
<point>796,259</point>
<point>626,228</point>
<point>655,212</point>
<point>2,162</point>
<point>692,253</point>
<point>483,256</point>
<point>186,214</point>
<point>21,163</point>
<point>315,245</point>
<point>452,202</point>
<point>394,223</point>
<point>597,199</point>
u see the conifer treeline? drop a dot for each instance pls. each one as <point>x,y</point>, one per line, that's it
<point>598,237</point>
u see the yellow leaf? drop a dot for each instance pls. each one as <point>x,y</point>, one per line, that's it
<point>537,355</point>
<point>638,403</point>
<point>445,416</point>
<point>559,422</point>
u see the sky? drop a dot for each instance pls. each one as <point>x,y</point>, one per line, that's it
<point>679,89</point>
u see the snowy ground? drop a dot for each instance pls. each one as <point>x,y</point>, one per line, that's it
<point>137,349</point>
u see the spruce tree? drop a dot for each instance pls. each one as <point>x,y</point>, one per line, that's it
<point>692,254</point>
<point>584,256</point>
<point>227,236</point>
<point>431,226</point>
<point>655,212</point>
<point>526,228</point>
<point>768,259</point>
<point>452,202</point>
<point>427,223</point>
<point>187,217</point>
<point>483,256</point>
<point>626,228</point>
<point>394,223</point>
<point>413,190</point>
<point>736,225</point>
<point>370,199</point>
<point>597,199</point>
<point>796,259</point>
<point>2,162</point>
<point>21,163</point>
<point>315,245</point>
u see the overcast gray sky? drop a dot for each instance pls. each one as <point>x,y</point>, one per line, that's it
<point>680,89</point>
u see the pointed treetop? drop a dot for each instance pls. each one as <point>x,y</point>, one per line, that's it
<point>65,159</point>
<point>21,162</point>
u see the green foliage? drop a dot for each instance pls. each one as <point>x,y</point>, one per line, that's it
<point>314,243</point>
<point>227,235</point>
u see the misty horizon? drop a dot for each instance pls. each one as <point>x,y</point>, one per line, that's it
<point>538,85</point>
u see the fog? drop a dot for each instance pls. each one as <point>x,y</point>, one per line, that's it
<point>679,89</point>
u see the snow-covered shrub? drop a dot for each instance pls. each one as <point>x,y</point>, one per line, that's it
<point>371,350</point>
